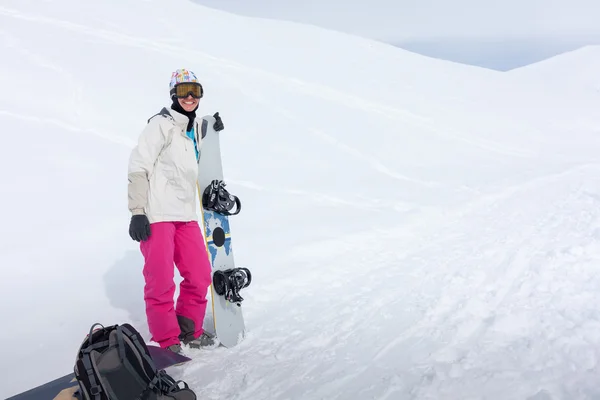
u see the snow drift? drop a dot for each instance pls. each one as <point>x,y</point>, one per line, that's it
<point>416,228</point>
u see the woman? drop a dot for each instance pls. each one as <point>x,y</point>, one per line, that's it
<point>163,169</point>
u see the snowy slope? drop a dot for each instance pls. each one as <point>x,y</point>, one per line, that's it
<point>569,76</point>
<point>573,68</point>
<point>416,228</point>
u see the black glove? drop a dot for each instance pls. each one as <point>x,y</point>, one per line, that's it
<point>218,126</point>
<point>139,228</point>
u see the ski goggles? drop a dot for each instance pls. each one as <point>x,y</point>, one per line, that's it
<point>183,90</point>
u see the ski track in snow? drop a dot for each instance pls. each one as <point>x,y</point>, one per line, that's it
<point>367,159</point>
<point>327,199</point>
<point>13,43</point>
<point>69,127</point>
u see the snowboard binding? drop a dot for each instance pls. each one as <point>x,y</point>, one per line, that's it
<point>217,198</point>
<point>228,283</point>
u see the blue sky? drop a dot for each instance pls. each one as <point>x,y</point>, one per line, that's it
<point>494,34</point>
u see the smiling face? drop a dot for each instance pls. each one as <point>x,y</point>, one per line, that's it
<point>188,103</point>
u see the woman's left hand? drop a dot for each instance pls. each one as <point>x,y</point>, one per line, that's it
<point>218,126</point>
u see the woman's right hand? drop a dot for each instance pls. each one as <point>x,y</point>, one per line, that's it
<point>139,228</point>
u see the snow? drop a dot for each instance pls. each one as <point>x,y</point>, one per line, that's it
<point>416,228</point>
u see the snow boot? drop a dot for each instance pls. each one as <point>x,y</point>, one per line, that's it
<point>205,341</point>
<point>175,348</point>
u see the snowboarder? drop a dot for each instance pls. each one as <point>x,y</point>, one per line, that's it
<point>162,198</point>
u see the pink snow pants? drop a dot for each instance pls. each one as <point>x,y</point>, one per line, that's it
<point>182,244</point>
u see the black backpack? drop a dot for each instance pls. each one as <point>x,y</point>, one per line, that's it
<point>113,363</point>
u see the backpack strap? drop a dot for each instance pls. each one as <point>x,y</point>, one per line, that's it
<point>124,329</point>
<point>161,379</point>
<point>95,388</point>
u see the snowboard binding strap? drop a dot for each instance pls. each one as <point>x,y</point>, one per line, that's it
<point>217,198</point>
<point>228,283</point>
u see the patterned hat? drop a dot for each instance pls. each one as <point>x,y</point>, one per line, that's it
<point>182,75</point>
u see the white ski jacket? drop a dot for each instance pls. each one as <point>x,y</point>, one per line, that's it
<point>163,170</point>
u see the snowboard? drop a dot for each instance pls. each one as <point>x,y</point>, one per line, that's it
<point>228,318</point>
<point>64,388</point>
